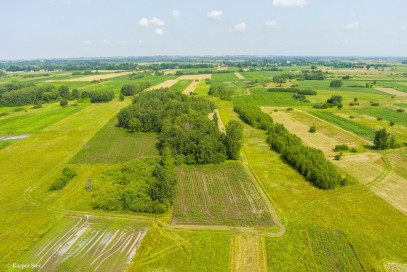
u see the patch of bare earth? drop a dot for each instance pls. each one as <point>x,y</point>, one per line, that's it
<point>396,267</point>
<point>248,253</point>
<point>391,91</point>
<point>191,88</point>
<point>239,75</point>
<point>165,84</point>
<point>193,77</point>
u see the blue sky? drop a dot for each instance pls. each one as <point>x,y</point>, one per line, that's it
<point>101,28</point>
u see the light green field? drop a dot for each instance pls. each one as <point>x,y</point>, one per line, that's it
<point>399,118</point>
<point>116,145</point>
<point>260,97</point>
<point>31,162</point>
<point>181,85</point>
<point>36,121</point>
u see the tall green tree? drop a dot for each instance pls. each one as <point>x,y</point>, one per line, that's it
<point>381,139</point>
<point>233,140</point>
<point>63,91</point>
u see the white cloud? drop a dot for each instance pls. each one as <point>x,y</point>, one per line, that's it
<point>158,31</point>
<point>140,41</point>
<point>157,22</point>
<point>68,2</point>
<point>240,27</point>
<point>87,42</point>
<point>123,42</point>
<point>106,41</point>
<point>146,22</point>
<point>215,15</point>
<point>403,27</point>
<point>352,26</point>
<point>175,13</point>
<point>353,13</point>
<point>143,22</point>
<point>272,23</point>
<point>290,3</point>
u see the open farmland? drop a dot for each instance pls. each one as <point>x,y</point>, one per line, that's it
<point>115,145</point>
<point>165,84</point>
<point>399,118</point>
<point>36,121</point>
<point>181,85</point>
<point>248,253</point>
<point>260,97</point>
<point>325,138</point>
<point>219,195</point>
<point>358,129</point>
<point>191,87</point>
<point>85,244</point>
<point>98,77</point>
<point>392,91</point>
<point>195,77</point>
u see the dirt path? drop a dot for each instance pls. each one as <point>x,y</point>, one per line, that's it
<point>248,253</point>
<point>239,75</point>
<point>191,88</point>
<point>221,126</point>
<point>392,91</point>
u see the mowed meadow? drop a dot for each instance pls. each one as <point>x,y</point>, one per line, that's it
<point>255,213</point>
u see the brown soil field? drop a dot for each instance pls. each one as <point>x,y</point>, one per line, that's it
<point>165,84</point>
<point>248,253</point>
<point>192,77</point>
<point>391,91</point>
<point>191,88</point>
<point>239,76</point>
<point>94,77</point>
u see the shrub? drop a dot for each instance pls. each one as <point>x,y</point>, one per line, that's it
<point>62,181</point>
<point>374,104</point>
<point>290,109</point>
<point>400,110</point>
<point>342,147</point>
<point>313,129</point>
<point>336,83</point>
<point>63,103</point>
<point>283,90</point>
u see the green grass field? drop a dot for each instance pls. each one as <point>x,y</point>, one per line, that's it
<point>260,97</point>
<point>116,145</point>
<point>229,197</point>
<point>179,251</point>
<point>224,77</point>
<point>403,105</point>
<point>359,129</point>
<point>181,85</point>
<point>399,118</point>
<point>36,121</point>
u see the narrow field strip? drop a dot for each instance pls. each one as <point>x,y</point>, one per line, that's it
<point>248,253</point>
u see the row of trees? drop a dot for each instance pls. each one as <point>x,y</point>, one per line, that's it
<point>134,88</point>
<point>310,162</point>
<point>184,126</point>
<point>220,91</point>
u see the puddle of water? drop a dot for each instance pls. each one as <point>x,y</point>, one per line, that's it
<point>5,138</point>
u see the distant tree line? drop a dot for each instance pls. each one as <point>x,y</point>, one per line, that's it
<point>310,162</point>
<point>26,94</point>
<point>183,126</point>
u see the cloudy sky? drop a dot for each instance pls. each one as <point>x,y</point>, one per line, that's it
<point>101,28</point>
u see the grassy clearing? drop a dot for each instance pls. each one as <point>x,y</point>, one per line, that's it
<point>260,97</point>
<point>248,253</point>
<point>34,160</point>
<point>359,129</point>
<point>181,85</point>
<point>224,77</point>
<point>403,105</point>
<point>36,121</point>
<point>85,244</point>
<point>219,195</point>
<point>115,145</point>
<point>348,86</point>
<point>166,250</point>
<point>387,114</point>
